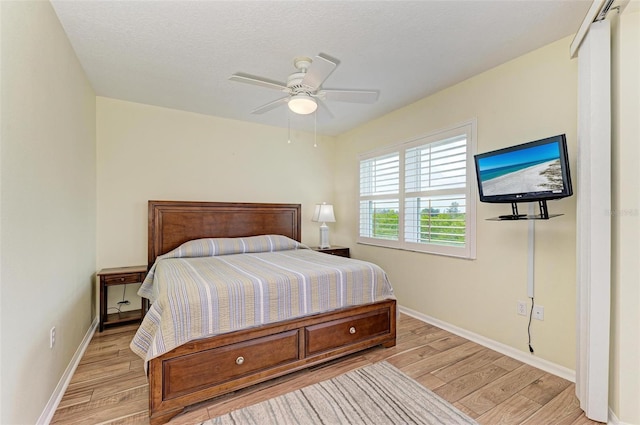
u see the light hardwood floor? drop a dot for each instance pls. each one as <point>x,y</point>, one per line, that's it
<point>110,387</point>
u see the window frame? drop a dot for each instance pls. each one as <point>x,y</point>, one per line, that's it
<point>468,251</point>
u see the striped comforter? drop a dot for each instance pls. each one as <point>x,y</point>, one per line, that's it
<point>215,286</point>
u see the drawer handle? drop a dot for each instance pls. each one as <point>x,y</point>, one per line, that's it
<point>122,279</point>
<point>352,330</point>
<point>239,360</point>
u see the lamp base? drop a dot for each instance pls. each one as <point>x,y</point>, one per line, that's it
<point>324,236</point>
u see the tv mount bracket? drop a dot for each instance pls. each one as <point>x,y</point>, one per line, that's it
<point>542,205</point>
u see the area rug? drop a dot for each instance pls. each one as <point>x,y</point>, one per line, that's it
<point>376,394</point>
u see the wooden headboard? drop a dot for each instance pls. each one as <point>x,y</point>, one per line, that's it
<point>171,223</point>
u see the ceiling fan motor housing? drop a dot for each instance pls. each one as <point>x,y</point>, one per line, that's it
<point>294,83</point>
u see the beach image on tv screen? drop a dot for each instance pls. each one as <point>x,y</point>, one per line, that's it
<point>535,169</point>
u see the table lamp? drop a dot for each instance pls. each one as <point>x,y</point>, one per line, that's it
<point>324,215</point>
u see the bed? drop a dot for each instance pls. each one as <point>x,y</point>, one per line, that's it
<point>265,345</point>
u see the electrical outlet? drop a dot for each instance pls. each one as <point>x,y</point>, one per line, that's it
<point>538,312</point>
<point>52,337</point>
<point>522,308</point>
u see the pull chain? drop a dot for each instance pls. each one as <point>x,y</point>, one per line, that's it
<point>315,129</point>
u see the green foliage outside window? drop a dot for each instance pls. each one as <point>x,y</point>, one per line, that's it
<point>446,227</point>
<point>385,224</point>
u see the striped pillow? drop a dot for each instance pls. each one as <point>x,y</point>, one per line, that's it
<point>212,247</point>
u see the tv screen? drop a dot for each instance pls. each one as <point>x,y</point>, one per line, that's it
<point>534,171</point>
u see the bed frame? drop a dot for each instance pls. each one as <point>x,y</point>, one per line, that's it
<point>210,367</point>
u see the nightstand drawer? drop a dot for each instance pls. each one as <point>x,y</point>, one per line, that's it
<point>121,279</point>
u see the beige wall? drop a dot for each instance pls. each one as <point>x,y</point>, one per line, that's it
<point>625,297</point>
<point>47,207</point>
<point>147,152</point>
<point>531,97</point>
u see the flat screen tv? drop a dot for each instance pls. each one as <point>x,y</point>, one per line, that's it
<point>537,171</point>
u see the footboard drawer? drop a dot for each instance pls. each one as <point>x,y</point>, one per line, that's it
<point>186,374</point>
<point>343,332</point>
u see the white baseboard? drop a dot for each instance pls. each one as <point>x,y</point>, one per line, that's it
<point>537,362</point>
<point>54,400</point>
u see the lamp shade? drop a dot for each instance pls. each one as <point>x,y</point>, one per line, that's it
<point>302,104</point>
<point>324,213</point>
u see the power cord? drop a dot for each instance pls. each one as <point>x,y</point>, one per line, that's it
<point>121,303</point>
<point>529,326</point>
<point>124,292</point>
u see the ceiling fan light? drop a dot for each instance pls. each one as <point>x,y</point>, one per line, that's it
<point>302,104</point>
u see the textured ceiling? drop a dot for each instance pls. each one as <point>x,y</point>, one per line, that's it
<point>179,54</point>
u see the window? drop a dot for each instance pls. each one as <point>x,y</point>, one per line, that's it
<point>420,195</point>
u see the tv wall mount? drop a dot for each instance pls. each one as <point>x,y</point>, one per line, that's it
<point>544,213</point>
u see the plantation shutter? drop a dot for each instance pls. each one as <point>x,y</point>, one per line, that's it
<point>379,196</point>
<point>435,198</point>
<point>418,195</point>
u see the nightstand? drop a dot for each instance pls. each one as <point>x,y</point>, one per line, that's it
<point>340,251</point>
<point>120,276</point>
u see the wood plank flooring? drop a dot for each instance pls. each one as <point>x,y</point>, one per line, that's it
<point>110,387</point>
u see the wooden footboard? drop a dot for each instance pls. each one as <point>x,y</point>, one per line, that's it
<point>207,368</point>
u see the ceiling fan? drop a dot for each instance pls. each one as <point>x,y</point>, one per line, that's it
<point>304,87</point>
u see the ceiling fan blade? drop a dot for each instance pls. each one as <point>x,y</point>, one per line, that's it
<point>324,107</point>
<point>353,96</point>
<point>258,81</point>
<point>271,105</point>
<point>320,69</point>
